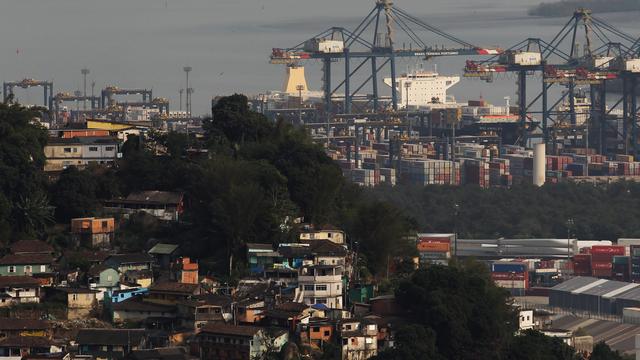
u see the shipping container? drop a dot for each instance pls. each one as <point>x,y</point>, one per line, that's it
<point>509,276</point>
<point>508,267</point>
<point>425,246</point>
<point>610,250</point>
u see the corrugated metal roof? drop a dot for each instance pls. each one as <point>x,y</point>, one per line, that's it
<point>604,288</point>
<point>574,283</point>
<point>618,336</point>
<point>163,249</point>
<point>620,290</point>
<point>633,294</point>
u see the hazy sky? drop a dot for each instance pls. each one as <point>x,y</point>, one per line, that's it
<point>145,43</point>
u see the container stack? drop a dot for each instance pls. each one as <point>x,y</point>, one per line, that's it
<point>602,259</point>
<point>430,172</point>
<point>621,268</point>
<point>476,172</point>
<point>512,275</point>
<point>435,248</point>
<point>499,174</point>
<point>582,265</point>
<point>634,252</point>
<point>388,176</point>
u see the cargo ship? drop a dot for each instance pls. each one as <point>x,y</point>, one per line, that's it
<point>423,88</point>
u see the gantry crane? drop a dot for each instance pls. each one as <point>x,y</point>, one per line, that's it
<point>374,41</point>
<point>63,97</point>
<point>559,62</point>
<point>108,93</point>
<point>7,89</point>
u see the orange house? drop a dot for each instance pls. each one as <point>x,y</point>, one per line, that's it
<point>93,232</point>
<point>186,271</point>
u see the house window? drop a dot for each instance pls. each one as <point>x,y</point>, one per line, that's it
<point>105,224</point>
<point>308,288</point>
<point>27,269</point>
<point>345,341</point>
<point>93,148</point>
<point>327,333</point>
<point>109,278</point>
<point>74,297</point>
<point>67,150</point>
<point>12,269</point>
<point>321,287</point>
<point>43,268</point>
<point>103,348</point>
<point>109,148</point>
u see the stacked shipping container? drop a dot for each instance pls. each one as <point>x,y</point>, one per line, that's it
<point>434,248</point>
<point>512,275</point>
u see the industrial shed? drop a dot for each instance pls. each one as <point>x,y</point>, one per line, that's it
<point>595,295</point>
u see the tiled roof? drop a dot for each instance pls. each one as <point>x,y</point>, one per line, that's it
<point>31,247</point>
<point>26,259</point>
<point>18,281</point>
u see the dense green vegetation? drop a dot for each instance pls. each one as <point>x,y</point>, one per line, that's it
<point>599,212</point>
<point>567,7</point>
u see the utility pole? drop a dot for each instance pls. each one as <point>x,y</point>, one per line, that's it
<point>187,70</point>
<point>84,72</point>
<point>93,106</point>
<point>300,88</point>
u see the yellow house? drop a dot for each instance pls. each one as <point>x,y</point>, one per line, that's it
<point>80,301</point>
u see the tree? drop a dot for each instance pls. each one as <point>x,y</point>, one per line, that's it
<point>379,229</point>
<point>534,345</point>
<point>470,315</point>
<point>233,120</point>
<point>22,181</point>
<point>412,342</point>
<point>602,351</point>
<point>74,194</point>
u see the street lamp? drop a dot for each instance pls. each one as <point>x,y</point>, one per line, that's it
<point>570,224</point>
<point>181,91</point>
<point>187,70</point>
<point>300,88</point>
<point>85,72</point>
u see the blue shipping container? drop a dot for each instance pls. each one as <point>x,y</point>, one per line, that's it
<point>505,267</point>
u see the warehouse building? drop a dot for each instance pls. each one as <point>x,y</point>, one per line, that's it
<point>597,296</point>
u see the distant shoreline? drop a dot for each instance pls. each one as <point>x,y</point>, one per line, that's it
<point>567,7</point>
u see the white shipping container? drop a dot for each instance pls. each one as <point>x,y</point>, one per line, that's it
<point>524,58</point>
<point>603,62</point>
<point>631,315</point>
<point>511,284</point>
<point>324,46</point>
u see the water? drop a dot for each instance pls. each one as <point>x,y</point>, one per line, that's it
<point>146,43</point>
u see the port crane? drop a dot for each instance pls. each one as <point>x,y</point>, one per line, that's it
<point>559,62</point>
<point>374,41</point>
<point>8,87</point>
<point>108,93</point>
<point>63,97</point>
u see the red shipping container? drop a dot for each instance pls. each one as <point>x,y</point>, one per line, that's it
<point>601,266</point>
<point>601,273</point>
<point>610,250</point>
